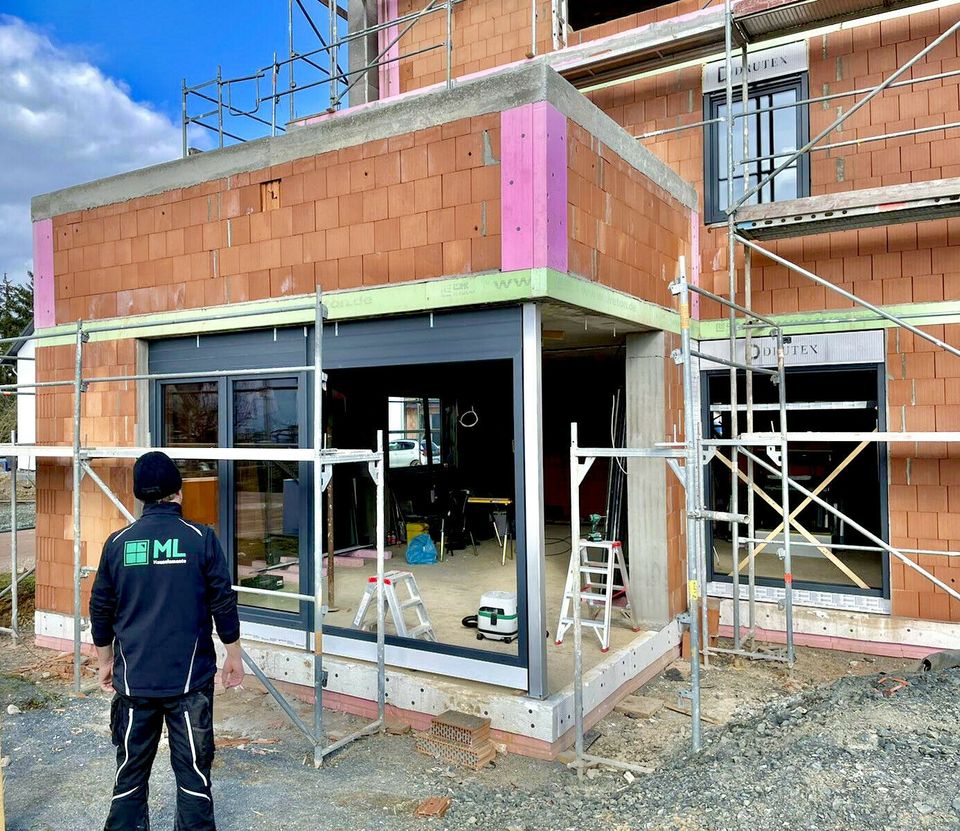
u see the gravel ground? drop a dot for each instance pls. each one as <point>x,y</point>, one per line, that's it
<point>818,749</point>
<point>26,501</point>
<point>26,516</point>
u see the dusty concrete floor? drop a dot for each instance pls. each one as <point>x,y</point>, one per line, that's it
<point>451,591</point>
<point>808,564</point>
<point>61,762</point>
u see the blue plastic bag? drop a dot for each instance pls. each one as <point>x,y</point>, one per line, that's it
<point>421,551</point>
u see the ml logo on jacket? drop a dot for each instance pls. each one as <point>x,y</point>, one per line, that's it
<point>166,552</point>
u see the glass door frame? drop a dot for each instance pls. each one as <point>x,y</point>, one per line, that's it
<point>226,511</point>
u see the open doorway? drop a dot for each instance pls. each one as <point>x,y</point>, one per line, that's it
<point>451,513</point>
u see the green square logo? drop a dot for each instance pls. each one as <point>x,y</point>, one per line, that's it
<point>135,552</point>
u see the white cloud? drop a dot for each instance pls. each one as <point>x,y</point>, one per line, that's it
<point>63,122</point>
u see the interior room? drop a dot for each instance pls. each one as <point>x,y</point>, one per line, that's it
<point>820,399</point>
<point>451,499</point>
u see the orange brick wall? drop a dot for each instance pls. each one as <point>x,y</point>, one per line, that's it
<point>625,232</point>
<point>412,207</point>
<point>900,264</point>
<point>923,393</point>
<point>492,33</point>
<point>108,418</point>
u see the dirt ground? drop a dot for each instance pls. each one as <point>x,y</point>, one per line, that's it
<point>817,748</point>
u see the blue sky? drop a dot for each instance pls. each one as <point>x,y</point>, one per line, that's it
<point>153,46</point>
<point>93,89</point>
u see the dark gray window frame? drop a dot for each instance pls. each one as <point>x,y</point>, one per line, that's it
<point>492,334</point>
<point>712,164</point>
<point>882,463</point>
<point>225,474</point>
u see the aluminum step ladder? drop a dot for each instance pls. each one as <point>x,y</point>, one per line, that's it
<point>598,588</point>
<point>398,605</point>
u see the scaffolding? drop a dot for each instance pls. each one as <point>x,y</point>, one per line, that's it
<point>322,459</point>
<point>255,99</point>
<point>739,23</point>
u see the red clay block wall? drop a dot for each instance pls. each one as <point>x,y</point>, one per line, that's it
<point>108,418</point>
<point>492,33</point>
<point>416,206</point>
<point>899,264</point>
<point>923,394</point>
<point>625,232</point>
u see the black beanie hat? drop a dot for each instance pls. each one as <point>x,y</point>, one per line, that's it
<point>155,476</point>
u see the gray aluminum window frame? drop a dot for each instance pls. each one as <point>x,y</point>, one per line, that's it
<point>713,164</point>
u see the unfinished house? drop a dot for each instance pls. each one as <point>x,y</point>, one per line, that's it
<point>500,203</point>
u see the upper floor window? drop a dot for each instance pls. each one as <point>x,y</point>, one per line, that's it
<point>582,14</point>
<point>775,130</point>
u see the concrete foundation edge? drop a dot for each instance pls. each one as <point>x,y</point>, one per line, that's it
<point>871,634</point>
<point>523,725</point>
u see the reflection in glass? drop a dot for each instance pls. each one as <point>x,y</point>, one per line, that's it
<point>267,494</point>
<point>769,132</point>
<point>190,419</point>
<point>414,431</point>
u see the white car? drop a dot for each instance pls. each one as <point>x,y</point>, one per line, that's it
<point>410,452</point>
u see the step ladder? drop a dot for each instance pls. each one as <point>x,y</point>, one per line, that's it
<point>398,605</point>
<point>598,588</point>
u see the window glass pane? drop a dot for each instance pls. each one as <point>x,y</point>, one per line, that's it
<point>265,412</point>
<point>190,419</point>
<point>784,130</point>
<point>785,185</point>
<point>267,494</point>
<point>190,414</point>
<point>414,431</point>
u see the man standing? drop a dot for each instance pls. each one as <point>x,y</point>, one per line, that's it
<point>160,582</point>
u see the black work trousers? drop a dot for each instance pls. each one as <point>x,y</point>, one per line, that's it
<point>136,725</point>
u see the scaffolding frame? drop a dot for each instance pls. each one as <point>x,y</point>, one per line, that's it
<point>322,459</point>
<point>266,89</point>
<point>744,324</point>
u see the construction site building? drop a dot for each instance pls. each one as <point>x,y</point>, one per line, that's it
<point>494,213</point>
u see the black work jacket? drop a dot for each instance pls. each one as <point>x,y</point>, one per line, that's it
<point>161,583</point>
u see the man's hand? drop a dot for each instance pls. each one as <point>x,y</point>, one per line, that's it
<point>233,666</point>
<point>105,668</point>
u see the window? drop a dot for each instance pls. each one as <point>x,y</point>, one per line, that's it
<point>825,397</point>
<point>259,517</point>
<point>191,419</point>
<point>415,429</point>
<point>582,14</point>
<point>266,506</point>
<point>773,134</point>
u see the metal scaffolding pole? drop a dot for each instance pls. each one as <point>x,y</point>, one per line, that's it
<point>77,476</point>
<point>14,529</point>
<point>578,471</point>
<point>319,606</point>
<point>693,472</point>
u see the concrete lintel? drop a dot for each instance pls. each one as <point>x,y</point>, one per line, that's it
<point>844,320</point>
<point>402,298</point>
